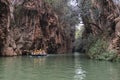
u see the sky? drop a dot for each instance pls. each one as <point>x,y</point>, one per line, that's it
<point>73,3</point>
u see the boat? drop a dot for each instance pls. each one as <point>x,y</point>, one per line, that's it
<point>39,53</point>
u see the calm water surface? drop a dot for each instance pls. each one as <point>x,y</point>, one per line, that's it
<point>57,67</point>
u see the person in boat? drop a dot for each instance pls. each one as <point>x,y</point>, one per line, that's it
<point>39,52</point>
<point>43,52</point>
<point>35,52</point>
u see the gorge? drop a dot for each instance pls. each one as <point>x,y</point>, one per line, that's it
<point>27,25</point>
<point>80,39</point>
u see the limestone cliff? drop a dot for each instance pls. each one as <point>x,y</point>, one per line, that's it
<point>31,24</point>
<point>101,19</point>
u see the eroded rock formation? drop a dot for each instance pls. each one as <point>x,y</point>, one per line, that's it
<point>102,21</point>
<point>31,25</point>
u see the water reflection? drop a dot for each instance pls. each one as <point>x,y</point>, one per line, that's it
<point>57,67</point>
<point>114,71</point>
<point>80,74</point>
<point>39,60</point>
<point>100,70</point>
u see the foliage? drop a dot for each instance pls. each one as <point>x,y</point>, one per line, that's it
<point>79,31</point>
<point>94,14</point>
<point>117,58</point>
<point>98,50</point>
<point>84,6</point>
<point>65,12</point>
<point>83,44</point>
<point>78,37</point>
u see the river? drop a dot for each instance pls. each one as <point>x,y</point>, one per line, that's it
<point>57,67</point>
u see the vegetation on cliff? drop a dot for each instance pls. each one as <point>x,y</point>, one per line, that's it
<point>101,20</point>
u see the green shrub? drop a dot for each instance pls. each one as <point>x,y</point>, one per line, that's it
<point>117,58</point>
<point>98,50</point>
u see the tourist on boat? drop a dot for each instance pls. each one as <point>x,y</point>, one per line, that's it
<point>43,52</point>
<point>38,52</point>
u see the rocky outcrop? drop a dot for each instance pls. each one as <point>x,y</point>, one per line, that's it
<point>5,44</point>
<point>102,22</point>
<point>30,25</point>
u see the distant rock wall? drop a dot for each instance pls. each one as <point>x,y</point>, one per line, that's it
<point>31,25</point>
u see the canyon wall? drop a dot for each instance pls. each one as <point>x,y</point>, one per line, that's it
<point>101,19</point>
<point>28,25</point>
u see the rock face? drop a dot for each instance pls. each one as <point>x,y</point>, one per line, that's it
<point>102,21</point>
<point>31,25</point>
<point>5,44</point>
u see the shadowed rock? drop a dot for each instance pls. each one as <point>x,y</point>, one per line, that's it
<point>31,25</point>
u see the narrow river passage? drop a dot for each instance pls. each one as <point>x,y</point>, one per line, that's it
<point>57,67</point>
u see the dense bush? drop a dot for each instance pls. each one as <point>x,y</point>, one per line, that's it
<point>95,48</point>
<point>98,50</point>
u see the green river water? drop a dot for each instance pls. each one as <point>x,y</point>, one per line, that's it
<point>57,67</point>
